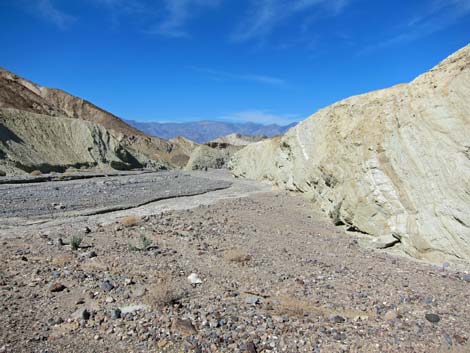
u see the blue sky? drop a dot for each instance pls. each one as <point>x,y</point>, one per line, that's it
<point>268,61</point>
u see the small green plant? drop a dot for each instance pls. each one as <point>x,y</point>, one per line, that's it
<point>75,242</point>
<point>145,243</point>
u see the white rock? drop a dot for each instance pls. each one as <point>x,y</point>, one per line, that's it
<point>194,279</point>
<point>133,308</point>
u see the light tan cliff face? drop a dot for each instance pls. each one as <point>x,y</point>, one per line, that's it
<point>391,162</point>
<point>30,141</point>
<point>187,145</point>
<point>32,101</point>
<point>239,140</point>
<point>212,155</point>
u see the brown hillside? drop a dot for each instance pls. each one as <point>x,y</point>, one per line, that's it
<point>20,95</point>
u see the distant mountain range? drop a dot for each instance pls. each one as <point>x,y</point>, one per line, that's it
<point>204,131</point>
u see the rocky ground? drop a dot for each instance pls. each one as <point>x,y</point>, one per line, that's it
<point>260,273</point>
<point>103,194</point>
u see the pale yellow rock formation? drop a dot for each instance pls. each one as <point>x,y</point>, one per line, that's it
<point>239,139</point>
<point>394,162</point>
<point>212,155</point>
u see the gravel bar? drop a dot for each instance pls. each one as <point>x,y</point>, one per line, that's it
<point>99,195</point>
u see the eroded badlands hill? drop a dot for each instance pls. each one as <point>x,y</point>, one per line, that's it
<point>392,163</point>
<point>49,129</point>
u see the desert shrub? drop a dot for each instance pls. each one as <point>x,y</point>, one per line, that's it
<point>291,306</point>
<point>299,307</point>
<point>144,244</point>
<point>168,291</point>
<point>75,242</point>
<point>35,173</point>
<point>130,221</point>
<point>237,256</point>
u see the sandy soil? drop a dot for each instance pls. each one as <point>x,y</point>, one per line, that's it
<point>275,276</point>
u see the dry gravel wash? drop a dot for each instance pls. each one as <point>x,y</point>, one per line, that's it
<point>97,195</point>
<point>275,278</point>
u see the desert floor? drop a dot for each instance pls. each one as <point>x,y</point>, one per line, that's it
<point>102,265</point>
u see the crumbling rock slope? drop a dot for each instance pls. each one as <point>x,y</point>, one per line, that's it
<point>23,104</point>
<point>186,146</point>
<point>212,155</point>
<point>394,162</point>
<point>31,141</point>
<point>239,139</point>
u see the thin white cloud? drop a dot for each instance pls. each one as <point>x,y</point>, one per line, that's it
<point>224,76</point>
<point>163,17</point>
<point>260,117</point>
<point>124,7</point>
<point>437,16</point>
<point>178,14</point>
<point>264,16</point>
<point>120,9</point>
<point>49,12</point>
<point>335,6</point>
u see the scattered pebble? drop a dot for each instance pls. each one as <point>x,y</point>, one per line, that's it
<point>302,271</point>
<point>106,286</point>
<point>337,319</point>
<point>91,254</point>
<point>252,300</point>
<point>432,318</point>
<point>57,287</point>
<point>83,314</point>
<point>116,314</point>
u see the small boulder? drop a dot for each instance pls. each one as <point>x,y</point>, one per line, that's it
<point>128,282</point>
<point>106,286</point>
<point>194,279</point>
<point>91,254</point>
<point>116,314</point>
<point>132,308</point>
<point>434,318</point>
<point>57,287</point>
<point>337,319</point>
<point>81,314</point>
<point>183,327</point>
<point>252,300</point>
